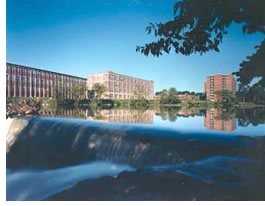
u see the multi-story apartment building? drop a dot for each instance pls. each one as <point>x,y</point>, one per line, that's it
<point>214,121</point>
<point>218,82</point>
<point>121,86</point>
<point>24,81</point>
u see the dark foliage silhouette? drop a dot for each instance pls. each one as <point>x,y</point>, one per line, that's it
<point>199,27</point>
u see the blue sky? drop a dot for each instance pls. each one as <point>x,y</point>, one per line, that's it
<point>79,37</point>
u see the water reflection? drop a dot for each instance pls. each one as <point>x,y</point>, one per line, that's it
<point>227,120</point>
<point>217,119</point>
<point>122,116</point>
<point>171,113</point>
<point>248,117</point>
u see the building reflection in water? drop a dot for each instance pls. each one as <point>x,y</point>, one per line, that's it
<point>219,120</point>
<point>122,116</point>
<point>213,120</point>
<point>65,113</point>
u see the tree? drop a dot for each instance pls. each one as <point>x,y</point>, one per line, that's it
<point>242,92</point>
<point>199,26</point>
<point>227,97</point>
<point>139,92</point>
<point>139,97</point>
<point>78,91</point>
<point>163,96</point>
<point>99,89</point>
<point>257,92</point>
<point>253,67</point>
<point>172,96</point>
<point>169,97</point>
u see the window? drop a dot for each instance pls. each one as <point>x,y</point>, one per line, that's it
<point>12,79</point>
<point>11,91</point>
<point>18,80</point>
<point>28,91</point>
<point>23,91</point>
<point>17,90</point>
<point>12,69</point>
<point>23,81</point>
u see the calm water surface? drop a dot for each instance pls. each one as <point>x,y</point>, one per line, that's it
<point>162,154</point>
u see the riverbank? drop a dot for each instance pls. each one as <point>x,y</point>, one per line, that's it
<point>34,106</point>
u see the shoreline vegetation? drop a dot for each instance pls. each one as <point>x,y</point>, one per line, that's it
<point>22,106</point>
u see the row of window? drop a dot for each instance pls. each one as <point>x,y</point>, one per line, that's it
<point>39,92</point>
<point>23,71</point>
<point>37,81</point>
<point>100,78</point>
<point>119,96</point>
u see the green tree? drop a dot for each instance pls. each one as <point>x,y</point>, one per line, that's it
<point>169,97</point>
<point>99,90</point>
<point>227,97</point>
<point>139,92</point>
<point>258,93</point>
<point>242,92</point>
<point>199,27</point>
<point>163,96</point>
<point>172,96</point>
<point>78,91</point>
<point>139,100</point>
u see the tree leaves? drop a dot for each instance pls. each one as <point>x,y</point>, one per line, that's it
<point>199,26</point>
<point>253,67</point>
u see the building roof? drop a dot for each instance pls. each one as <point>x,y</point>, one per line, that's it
<point>118,74</point>
<point>44,70</point>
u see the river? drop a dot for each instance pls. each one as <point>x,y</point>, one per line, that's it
<point>152,154</point>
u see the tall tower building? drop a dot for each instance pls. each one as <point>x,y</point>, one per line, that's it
<point>218,82</point>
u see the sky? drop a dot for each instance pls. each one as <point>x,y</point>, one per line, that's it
<point>79,37</point>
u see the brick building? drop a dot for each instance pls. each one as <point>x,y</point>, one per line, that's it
<point>185,97</point>
<point>121,86</point>
<point>218,82</point>
<point>182,97</point>
<point>24,81</point>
